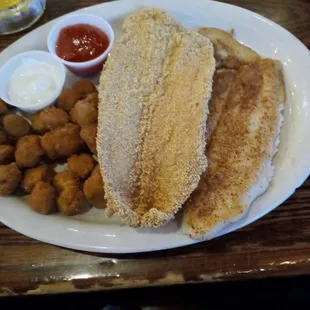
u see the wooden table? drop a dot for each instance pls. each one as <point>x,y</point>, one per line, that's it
<point>276,245</point>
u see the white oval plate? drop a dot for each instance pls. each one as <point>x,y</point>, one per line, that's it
<point>93,231</point>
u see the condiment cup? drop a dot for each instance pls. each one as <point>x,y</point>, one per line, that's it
<point>86,68</point>
<point>7,70</point>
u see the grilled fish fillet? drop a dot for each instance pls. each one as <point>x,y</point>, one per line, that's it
<point>154,93</point>
<point>228,52</point>
<point>240,151</point>
<point>222,81</point>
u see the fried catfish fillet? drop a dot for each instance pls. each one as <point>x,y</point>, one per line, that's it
<point>228,52</point>
<point>240,151</point>
<point>222,82</point>
<point>154,93</point>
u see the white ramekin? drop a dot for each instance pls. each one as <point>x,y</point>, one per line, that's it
<point>86,68</point>
<point>9,67</point>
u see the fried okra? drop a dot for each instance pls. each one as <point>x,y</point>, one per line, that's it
<point>93,189</point>
<point>83,88</point>
<point>32,176</point>
<point>66,179</point>
<point>82,165</point>
<point>88,134</point>
<point>71,200</point>
<point>37,124</point>
<point>3,107</point>
<point>6,154</point>
<point>10,177</point>
<point>49,119</point>
<point>16,125</point>
<point>63,141</point>
<point>67,99</point>
<point>4,139</point>
<point>53,118</point>
<point>43,198</point>
<point>28,151</point>
<point>85,111</point>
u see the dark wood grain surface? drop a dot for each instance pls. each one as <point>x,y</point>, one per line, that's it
<point>276,245</point>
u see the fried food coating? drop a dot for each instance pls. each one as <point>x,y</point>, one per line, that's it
<point>3,107</point>
<point>63,141</point>
<point>28,151</point>
<point>152,116</point>
<point>49,119</point>
<point>10,177</point>
<point>43,198</point>
<point>32,176</point>
<point>66,179</point>
<point>71,201</point>
<point>54,117</point>
<point>37,124</point>
<point>85,111</point>
<point>240,151</point>
<point>67,99</point>
<point>88,134</point>
<point>83,88</point>
<point>16,125</point>
<point>93,189</point>
<point>82,165</point>
<point>6,154</point>
<point>228,52</point>
<point>3,137</point>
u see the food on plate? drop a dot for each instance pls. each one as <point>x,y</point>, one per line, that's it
<point>83,88</point>
<point>93,189</point>
<point>88,134</point>
<point>37,124</point>
<point>52,118</point>
<point>81,164</point>
<point>71,200</point>
<point>70,96</point>
<point>10,177</point>
<point>6,154</point>
<point>34,82</point>
<point>85,111</point>
<point>228,52</point>
<point>168,130</point>
<point>81,42</point>
<point>43,198</point>
<point>28,151</point>
<point>62,142</point>
<point>65,179</point>
<point>154,93</point>
<point>3,107</point>
<point>16,125</point>
<point>67,99</point>
<point>222,81</point>
<point>241,150</point>
<point>3,137</point>
<point>32,176</point>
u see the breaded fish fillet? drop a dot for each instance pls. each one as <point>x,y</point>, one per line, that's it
<point>240,151</point>
<point>228,52</point>
<point>154,93</point>
<point>222,81</point>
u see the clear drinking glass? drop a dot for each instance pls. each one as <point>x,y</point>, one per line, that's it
<point>21,15</point>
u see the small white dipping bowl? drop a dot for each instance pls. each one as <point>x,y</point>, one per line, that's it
<point>85,68</point>
<point>7,70</point>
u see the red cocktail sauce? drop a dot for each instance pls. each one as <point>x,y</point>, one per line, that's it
<point>81,42</point>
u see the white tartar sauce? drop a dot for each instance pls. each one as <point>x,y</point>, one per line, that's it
<point>33,82</point>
